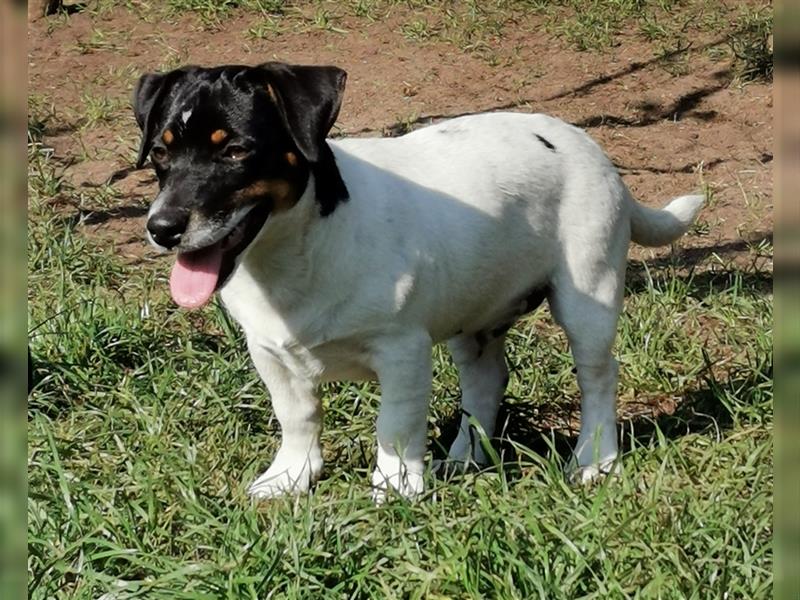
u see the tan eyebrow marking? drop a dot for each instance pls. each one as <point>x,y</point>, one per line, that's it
<point>218,136</point>
<point>168,137</point>
<point>271,93</point>
<point>291,158</point>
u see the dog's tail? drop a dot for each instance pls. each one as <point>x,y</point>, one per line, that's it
<point>657,227</point>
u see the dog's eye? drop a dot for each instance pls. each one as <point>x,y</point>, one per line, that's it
<point>159,154</point>
<point>235,152</point>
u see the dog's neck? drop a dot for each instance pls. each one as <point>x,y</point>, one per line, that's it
<point>280,257</point>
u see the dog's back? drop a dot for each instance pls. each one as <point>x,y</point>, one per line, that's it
<point>479,208</point>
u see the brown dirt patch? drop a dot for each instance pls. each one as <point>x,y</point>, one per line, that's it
<point>669,134</point>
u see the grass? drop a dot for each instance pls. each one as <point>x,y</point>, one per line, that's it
<point>147,423</point>
<point>751,43</point>
<point>672,26</point>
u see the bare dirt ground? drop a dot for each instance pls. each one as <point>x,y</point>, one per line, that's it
<point>673,126</point>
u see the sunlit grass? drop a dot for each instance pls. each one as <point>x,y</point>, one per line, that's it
<point>147,422</point>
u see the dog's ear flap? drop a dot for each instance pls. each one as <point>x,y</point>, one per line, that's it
<point>308,99</point>
<point>149,95</point>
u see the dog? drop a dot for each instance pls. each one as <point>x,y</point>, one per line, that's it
<point>349,259</point>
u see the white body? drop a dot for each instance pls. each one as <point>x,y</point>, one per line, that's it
<point>446,232</point>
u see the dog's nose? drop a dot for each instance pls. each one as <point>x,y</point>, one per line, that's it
<point>167,227</point>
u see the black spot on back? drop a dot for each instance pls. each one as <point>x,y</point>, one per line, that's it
<point>545,142</point>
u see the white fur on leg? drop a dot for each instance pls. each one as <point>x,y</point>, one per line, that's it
<point>596,451</point>
<point>591,473</point>
<point>290,473</point>
<point>404,371</point>
<point>298,462</point>
<point>483,374</point>
<point>405,477</point>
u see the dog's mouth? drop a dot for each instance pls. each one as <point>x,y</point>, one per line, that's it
<point>197,274</point>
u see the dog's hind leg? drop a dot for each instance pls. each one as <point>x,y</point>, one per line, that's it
<point>483,376</point>
<point>298,462</point>
<point>588,314</point>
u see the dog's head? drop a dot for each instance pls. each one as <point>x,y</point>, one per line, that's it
<point>230,146</point>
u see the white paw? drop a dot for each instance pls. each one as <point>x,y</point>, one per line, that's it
<point>408,484</point>
<point>285,478</point>
<point>590,473</point>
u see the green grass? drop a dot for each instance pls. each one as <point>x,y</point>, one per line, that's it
<point>147,423</point>
<point>739,34</point>
<point>751,43</point>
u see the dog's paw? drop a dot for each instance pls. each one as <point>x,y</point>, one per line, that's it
<point>449,468</point>
<point>409,485</point>
<point>283,479</point>
<point>466,452</point>
<point>591,473</point>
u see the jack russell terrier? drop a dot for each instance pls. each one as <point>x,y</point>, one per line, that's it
<point>350,258</point>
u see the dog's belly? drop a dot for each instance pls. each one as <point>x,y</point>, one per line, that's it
<point>333,361</point>
<point>341,362</point>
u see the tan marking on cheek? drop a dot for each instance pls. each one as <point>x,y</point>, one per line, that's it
<point>291,158</point>
<point>218,136</point>
<point>168,137</point>
<point>284,194</point>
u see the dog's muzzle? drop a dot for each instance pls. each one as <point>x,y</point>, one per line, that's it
<point>167,226</point>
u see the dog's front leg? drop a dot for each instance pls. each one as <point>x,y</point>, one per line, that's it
<point>298,462</point>
<point>403,366</point>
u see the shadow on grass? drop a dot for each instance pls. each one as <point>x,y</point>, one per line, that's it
<point>550,430</point>
<point>522,432</point>
<point>681,265</point>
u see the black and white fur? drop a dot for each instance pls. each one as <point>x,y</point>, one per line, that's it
<point>447,234</point>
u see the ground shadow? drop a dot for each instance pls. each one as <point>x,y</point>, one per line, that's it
<point>654,112</point>
<point>550,430</point>
<point>521,433</point>
<point>642,274</point>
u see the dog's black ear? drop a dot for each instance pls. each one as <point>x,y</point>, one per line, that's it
<point>149,100</point>
<point>308,99</point>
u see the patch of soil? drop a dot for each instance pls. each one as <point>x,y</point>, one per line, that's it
<point>668,134</point>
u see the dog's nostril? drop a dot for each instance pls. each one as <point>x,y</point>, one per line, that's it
<point>167,229</point>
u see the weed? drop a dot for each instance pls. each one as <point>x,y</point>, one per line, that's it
<point>99,40</point>
<point>365,8</point>
<point>41,112</point>
<point>266,28</point>
<point>325,20</point>
<point>418,30</point>
<point>99,109</point>
<point>751,44</point>
<point>45,179</point>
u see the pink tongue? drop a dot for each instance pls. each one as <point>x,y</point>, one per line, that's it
<point>194,276</point>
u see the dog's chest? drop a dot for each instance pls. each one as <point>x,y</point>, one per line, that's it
<point>290,334</point>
